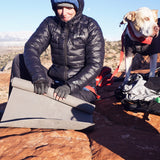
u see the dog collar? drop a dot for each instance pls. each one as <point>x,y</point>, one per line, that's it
<point>147,40</point>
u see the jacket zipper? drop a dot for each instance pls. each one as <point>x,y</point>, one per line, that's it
<point>66,31</point>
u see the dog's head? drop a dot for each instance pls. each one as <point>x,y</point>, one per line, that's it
<point>143,22</point>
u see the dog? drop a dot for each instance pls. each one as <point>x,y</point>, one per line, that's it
<point>142,28</point>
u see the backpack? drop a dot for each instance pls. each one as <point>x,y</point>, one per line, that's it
<point>103,79</point>
<point>139,95</point>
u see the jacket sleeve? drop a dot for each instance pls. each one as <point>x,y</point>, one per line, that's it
<point>94,57</point>
<point>34,47</point>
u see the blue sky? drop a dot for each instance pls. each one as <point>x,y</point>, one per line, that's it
<point>26,15</point>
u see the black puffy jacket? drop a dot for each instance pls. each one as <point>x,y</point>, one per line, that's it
<point>77,49</point>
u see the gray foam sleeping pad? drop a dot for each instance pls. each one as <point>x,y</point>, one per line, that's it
<point>29,110</point>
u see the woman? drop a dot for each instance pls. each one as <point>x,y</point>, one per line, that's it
<point>77,50</point>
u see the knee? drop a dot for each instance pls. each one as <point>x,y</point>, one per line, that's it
<point>16,60</point>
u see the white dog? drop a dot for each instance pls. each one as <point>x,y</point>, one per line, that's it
<point>141,29</point>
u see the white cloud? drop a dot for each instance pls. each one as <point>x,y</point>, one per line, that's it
<point>14,38</point>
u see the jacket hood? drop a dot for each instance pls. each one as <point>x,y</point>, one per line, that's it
<point>78,10</point>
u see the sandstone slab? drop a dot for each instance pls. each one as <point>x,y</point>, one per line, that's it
<point>18,144</point>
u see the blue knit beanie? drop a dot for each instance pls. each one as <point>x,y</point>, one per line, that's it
<point>74,2</point>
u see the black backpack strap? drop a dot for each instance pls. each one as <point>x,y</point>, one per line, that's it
<point>136,106</point>
<point>150,107</point>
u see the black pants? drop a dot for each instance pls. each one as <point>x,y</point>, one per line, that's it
<point>19,70</point>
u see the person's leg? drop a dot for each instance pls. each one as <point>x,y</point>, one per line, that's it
<point>153,65</point>
<point>85,95</point>
<point>19,70</point>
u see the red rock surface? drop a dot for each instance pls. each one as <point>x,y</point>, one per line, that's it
<point>118,135</point>
<point>18,144</point>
